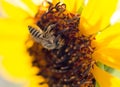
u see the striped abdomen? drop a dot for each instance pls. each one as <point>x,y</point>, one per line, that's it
<point>34,33</point>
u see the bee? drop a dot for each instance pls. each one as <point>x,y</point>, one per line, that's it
<point>46,37</point>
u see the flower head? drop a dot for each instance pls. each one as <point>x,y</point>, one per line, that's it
<point>80,35</point>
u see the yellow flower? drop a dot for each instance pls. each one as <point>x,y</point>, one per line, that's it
<point>95,16</point>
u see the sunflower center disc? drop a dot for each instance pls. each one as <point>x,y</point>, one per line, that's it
<point>69,62</point>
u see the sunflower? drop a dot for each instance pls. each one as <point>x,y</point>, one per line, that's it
<point>93,20</point>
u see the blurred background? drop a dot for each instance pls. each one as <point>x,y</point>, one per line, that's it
<point>5,83</point>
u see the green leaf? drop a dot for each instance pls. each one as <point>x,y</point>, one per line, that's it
<point>97,84</point>
<point>110,70</point>
<point>100,65</point>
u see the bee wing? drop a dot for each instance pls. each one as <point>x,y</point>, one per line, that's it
<point>36,34</point>
<point>49,32</point>
<point>50,27</point>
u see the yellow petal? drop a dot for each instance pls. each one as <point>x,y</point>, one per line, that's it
<point>33,7</point>
<point>105,79</point>
<point>108,47</point>
<point>13,11</point>
<point>2,12</point>
<point>34,82</point>
<point>16,63</point>
<point>73,5</point>
<point>55,1</point>
<point>108,56</point>
<point>12,47</point>
<point>96,15</point>
<point>11,27</point>
<point>109,37</point>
